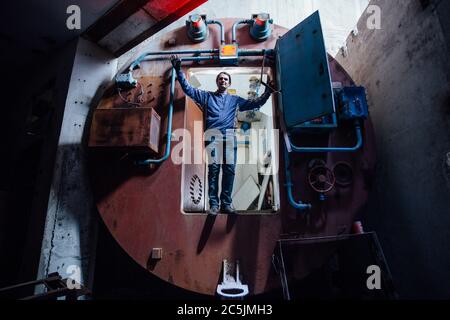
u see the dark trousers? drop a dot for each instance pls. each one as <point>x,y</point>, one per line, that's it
<point>222,153</point>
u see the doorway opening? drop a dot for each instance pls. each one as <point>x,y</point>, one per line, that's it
<point>256,184</point>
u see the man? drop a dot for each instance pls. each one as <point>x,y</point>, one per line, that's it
<point>220,109</point>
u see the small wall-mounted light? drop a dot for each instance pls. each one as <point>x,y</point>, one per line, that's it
<point>197,30</point>
<point>260,29</point>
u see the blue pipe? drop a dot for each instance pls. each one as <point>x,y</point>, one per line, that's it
<point>242,52</point>
<point>169,127</point>
<point>289,185</point>
<point>200,58</point>
<point>233,30</point>
<point>222,31</point>
<point>297,205</point>
<point>262,52</point>
<point>320,150</point>
<point>138,61</point>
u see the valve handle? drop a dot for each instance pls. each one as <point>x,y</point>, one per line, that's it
<point>321,179</point>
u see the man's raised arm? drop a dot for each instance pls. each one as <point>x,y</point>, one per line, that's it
<point>257,103</point>
<point>199,96</point>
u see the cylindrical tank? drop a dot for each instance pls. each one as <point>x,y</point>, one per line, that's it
<point>142,208</point>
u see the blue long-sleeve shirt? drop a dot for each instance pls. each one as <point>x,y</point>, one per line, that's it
<point>220,108</point>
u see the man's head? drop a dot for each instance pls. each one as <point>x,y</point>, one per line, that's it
<point>223,81</point>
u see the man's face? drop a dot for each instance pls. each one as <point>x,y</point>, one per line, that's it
<point>223,82</point>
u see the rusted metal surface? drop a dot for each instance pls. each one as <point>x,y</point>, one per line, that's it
<point>129,129</point>
<point>149,93</point>
<point>142,209</point>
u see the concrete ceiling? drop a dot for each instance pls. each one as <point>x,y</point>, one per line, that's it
<point>35,28</point>
<point>131,22</point>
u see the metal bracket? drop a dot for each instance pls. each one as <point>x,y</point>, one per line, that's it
<point>231,287</point>
<point>126,81</point>
<point>55,287</point>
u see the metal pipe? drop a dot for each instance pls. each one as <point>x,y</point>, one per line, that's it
<point>244,53</point>
<point>222,31</point>
<point>200,58</point>
<point>170,116</point>
<point>154,53</point>
<point>297,205</point>
<point>261,52</point>
<point>358,145</point>
<point>169,127</point>
<point>233,30</point>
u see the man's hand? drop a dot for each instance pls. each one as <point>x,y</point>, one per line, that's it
<point>176,62</point>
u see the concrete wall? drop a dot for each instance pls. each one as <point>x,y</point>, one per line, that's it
<point>442,8</point>
<point>26,172</point>
<point>70,228</point>
<point>405,68</point>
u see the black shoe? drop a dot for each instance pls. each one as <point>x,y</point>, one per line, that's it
<point>213,211</point>
<point>228,210</point>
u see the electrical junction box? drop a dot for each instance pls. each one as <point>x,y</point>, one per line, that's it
<point>126,81</point>
<point>352,103</point>
<point>133,130</point>
<point>228,54</point>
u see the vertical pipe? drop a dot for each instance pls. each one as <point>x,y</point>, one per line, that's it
<point>297,205</point>
<point>170,116</point>
<point>222,31</point>
<point>169,127</point>
<point>233,30</point>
